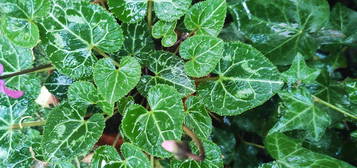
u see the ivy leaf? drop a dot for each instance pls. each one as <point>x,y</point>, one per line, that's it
<point>300,72</point>
<point>207,17</point>
<point>203,53</point>
<point>73,29</point>
<point>58,84</point>
<point>82,94</point>
<point>197,118</point>
<point>137,39</point>
<point>113,83</point>
<point>300,112</point>
<point>148,129</point>
<point>281,29</point>
<point>246,79</point>
<point>15,59</point>
<point>134,11</point>
<point>67,134</point>
<point>12,111</point>
<point>19,21</point>
<point>168,69</point>
<point>166,31</point>
<point>134,157</point>
<point>124,103</point>
<point>289,153</point>
<point>213,158</point>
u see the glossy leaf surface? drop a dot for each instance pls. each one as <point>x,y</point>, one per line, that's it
<point>166,31</point>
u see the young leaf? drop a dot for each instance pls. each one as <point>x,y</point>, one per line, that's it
<point>280,29</point>
<point>207,17</point>
<point>213,158</point>
<point>134,11</point>
<point>148,129</point>
<point>19,20</point>
<point>166,31</point>
<point>124,103</point>
<point>137,39</point>
<point>82,94</point>
<point>134,157</point>
<point>73,29</point>
<point>197,117</point>
<point>289,153</point>
<point>203,53</point>
<point>300,112</point>
<point>15,59</point>
<point>246,79</point>
<point>300,72</point>
<point>113,83</point>
<point>67,134</point>
<point>168,69</point>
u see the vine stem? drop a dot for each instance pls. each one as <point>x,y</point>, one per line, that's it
<point>198,143</point>
<point>41,68</point>
<point>152,160</point>
<point>102,53</point>
<point>149,13</point>
<point>318,100</point>
<point>28,124</point>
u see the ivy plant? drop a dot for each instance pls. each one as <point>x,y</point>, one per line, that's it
<point>178,83</point>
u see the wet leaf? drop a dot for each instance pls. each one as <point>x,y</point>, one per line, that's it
<point>246,79</point>
<point>166,31</point>
<point>197,117</point>
<point>73,29</point>
<point>113,83</point>
<point>203,54</point>
<point>148,129</point>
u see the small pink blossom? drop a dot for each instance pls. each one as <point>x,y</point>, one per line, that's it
<point>170,146</point>
<point>9,92</point>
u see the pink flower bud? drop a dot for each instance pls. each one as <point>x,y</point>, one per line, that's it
<point>170,146</point>
<point>9,92</point>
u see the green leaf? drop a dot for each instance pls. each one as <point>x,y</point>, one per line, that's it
<point>246,79</point>
<point>300,112</point>
<point>148,129</point>
<point>281,29</point>
<point>343,20</point>
<point>104,155</point>
<point>203,53</point>
<point>134,11</point>
<point>300,72</point>
<point>67,134</point>
<point>289,153</point>
<point>12,112</point>
<point>225,139</point>
<point>113,83</point>
<point>134,158</point>
<point>168,69</point>
<point>197,118</point>
<point>207,17</point>
<point>213,158</point>
<point>19,21</point>
<point>82,94</point>
<point>171,10</point>
<point>124,103</point>
<point>166,31</point>
<point>137,39</point>
<point>15,59</point>
<point>73,29</point>
<point>58,84</point>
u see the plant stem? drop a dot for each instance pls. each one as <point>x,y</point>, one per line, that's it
<point>102,53</point>
<point>40,68</point>
<point>318,100</point>
<point>152,160</point>
<point>206,79</point>
<point>149,13</point>
<point>198,143</point>
<point>28,124</point>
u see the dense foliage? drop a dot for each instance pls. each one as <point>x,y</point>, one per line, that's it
<point>178,83</point>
